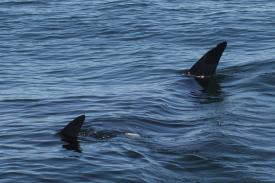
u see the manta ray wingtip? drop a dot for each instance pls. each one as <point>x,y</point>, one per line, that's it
<point>71,130</point>
<point>222,45</point>
<point>206,66</point>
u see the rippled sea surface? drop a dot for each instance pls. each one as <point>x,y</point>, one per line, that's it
<point>120,63</point>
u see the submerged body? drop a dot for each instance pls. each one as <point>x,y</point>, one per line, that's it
<point>106,134</point>
<point>72,131</point>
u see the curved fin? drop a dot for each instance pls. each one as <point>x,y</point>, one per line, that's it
<point>72,130</point>
<point>207,65</point>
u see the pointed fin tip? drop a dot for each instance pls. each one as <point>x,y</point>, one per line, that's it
<point>81,117</point>
<point>222,45</point>
<point>73,128</point>
<point>207,64</point>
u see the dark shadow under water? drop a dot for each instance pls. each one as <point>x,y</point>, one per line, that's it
<point>73,144</point>
<point>211,86</point>
<point>205,90</point>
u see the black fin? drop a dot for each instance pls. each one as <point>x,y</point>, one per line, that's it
<point>207,65</point>
<point>71,131</point>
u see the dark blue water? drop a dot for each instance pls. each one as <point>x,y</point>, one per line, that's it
<point>120,63</point>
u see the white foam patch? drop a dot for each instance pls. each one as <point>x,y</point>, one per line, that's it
<point>132,135</point>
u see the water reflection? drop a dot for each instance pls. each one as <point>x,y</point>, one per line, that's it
<point>71,144</point>
<point>211,85</point>
<point>211,90</point>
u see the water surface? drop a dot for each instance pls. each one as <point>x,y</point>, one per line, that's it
<point>120,63</point>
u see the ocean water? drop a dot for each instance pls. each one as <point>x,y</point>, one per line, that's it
<point>120,63</point>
